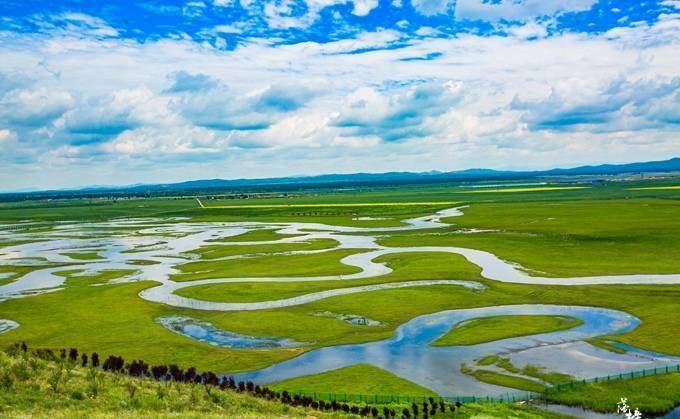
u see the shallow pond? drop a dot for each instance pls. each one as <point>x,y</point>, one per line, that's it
<point>206,332</point>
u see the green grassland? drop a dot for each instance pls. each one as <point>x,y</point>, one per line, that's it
<point>499,379</point>
<point>604,229</point>
<point>407,267</point>
<point>317,264</point>
<point>657,188</point>
<point>603,343</point>
<point>75,276</point>
<point>39,388</point>
<point>652,395</point>
<point>489,329</point>
<point>526,189</point>
<point>356,379</point>
<point>32,387</point>
<point>217,251</point>
<point>83,256</point>
<point>570,238</point>
<point>529,378</point>
<point>104,209</point>
<point>265,234</point>
<point>99,318</point>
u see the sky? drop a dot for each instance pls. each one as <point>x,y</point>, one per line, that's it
<point>147,91</point>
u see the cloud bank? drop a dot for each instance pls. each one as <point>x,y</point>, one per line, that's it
<point>447,86</point>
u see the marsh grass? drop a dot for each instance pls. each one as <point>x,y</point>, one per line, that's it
<point>488,329</point>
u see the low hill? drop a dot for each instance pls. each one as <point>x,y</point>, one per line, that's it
<point>296,183</point>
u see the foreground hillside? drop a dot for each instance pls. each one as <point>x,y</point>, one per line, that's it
<point>44,384</point>
<point>63,389</point>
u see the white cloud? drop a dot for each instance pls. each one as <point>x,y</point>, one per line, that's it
<point>671,3</point>
<point>433,7</point>
<point>530,30</point>
<point>359,104</point>
<point>364,7</point>
<point>284,14</point>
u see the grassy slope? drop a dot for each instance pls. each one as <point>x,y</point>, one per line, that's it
<point>356,379</point>
<point>99,319</point>
<point>318,264</point>
<point>37,388</point>
<point>489,329</point>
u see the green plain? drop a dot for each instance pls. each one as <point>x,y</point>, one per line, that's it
<point>488,329</point>
<point>317,264</point>
<point>603,230</point>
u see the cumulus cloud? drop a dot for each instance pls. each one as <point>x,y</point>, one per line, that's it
<point>185,82</point>
<point>33,107</point>
<point>284,14</point>
<point>398,116</point>
<point>530,30</point>
<point>222,109</point>
<point>373,100</point>
<point>618,105</point>
<point>100,119</point>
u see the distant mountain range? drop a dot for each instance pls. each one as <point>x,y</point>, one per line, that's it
<point>354,179</point>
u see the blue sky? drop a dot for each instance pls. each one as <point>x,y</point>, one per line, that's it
<point>155,91</point>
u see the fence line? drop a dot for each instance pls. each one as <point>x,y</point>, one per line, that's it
<point>615,377</point>
<point>393,398</point>
<point>504,398</point>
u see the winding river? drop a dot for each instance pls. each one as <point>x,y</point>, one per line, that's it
<point>409,354</point>
<point>165,242</point>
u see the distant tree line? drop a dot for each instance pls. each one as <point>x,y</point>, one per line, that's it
<point>141,369</point>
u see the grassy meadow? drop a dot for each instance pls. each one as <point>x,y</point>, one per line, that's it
<point>489,329</point>
<point>552,230</point>
<point>40,387</point>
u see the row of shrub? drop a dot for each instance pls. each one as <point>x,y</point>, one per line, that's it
<point>172,372</point>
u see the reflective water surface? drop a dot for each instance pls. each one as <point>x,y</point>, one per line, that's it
<point>206,332</point>
<point>7,325</point>
<point>409,355</point>
<point>121,243</point>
